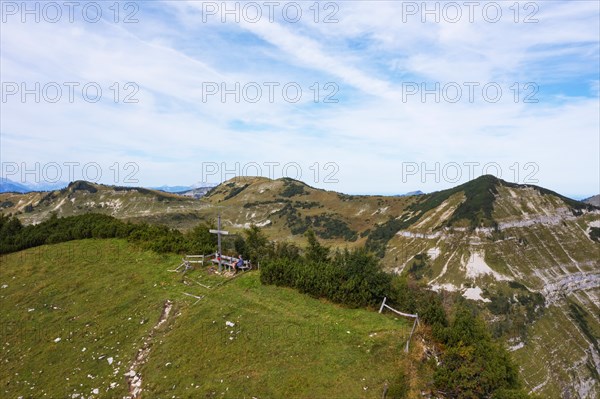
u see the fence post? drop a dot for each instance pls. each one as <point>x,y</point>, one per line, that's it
<point>411,333</point>
<point>382,304</point>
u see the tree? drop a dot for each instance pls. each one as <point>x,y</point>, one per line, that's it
<point>256,243</point>
<point>9,226</point>
<point>473,365</point>
<point>284,250</point>
<point>315,252</point>
<point>200,240</point>
<point>239,246</point>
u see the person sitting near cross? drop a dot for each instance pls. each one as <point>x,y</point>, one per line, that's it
<point>239,264</point>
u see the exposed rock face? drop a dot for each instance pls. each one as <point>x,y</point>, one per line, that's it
<point>595,200</point>
<point>539,248</point>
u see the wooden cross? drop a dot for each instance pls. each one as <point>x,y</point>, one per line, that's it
<point>219,232</point>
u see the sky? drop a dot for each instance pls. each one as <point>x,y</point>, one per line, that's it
<point>361,97</point>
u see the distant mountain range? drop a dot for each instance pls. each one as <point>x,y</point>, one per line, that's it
<point>418,192</point>
<point>9,186</point>
<point>195,191</point>
<point>172,189</point>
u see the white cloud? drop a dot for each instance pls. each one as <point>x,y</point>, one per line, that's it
<point>170,53</point>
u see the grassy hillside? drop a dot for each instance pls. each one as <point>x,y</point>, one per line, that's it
<point>287,208</point>
<point>78,316</point>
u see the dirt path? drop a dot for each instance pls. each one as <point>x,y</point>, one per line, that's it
<point>133,377</point>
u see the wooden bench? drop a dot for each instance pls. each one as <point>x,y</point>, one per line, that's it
<point>228,261</point>
<point>188,261</point>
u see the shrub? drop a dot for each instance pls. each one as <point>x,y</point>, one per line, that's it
<point>473,365</point>
<point>235,191</point>
<point>315,252</point>
<point>284,250</point>
<point>256,244</point>
<point>352,278</point>
<point>382,233</point>
<point>15,237</point>
<point>291,189</point>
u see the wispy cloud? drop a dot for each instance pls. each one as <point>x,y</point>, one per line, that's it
<point>370,58</point>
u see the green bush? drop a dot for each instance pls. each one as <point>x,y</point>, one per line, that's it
<point>352,278</point>
<point>256,244</point>
<point>235,191</point>
<point>324,225</point>
<point>419,267</point>
<point>284,250</point>
<point>473,365</point>
<point>382,233</point>
<point>201,241</point>
<point>15,237</point>
<point>292,188</point>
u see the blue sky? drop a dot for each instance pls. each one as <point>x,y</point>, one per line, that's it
<point>338,103</point>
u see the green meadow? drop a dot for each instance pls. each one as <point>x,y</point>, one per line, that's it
<point>76,315</point>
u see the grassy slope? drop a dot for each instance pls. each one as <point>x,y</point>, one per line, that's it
<point>282,345</point>
<point>97,295</point>
<point>360,213</point>
<point>106,296</point>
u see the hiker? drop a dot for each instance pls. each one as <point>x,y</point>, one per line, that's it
<point>239,264</point>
